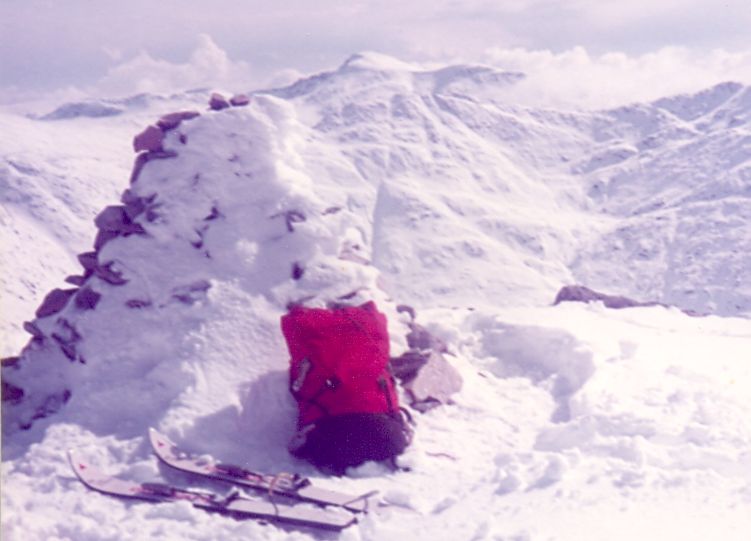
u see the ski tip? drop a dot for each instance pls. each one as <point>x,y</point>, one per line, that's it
<point>80,467</point>
<point>73,457</point>
<point>158,440</point>
<point>70,454</point>
<point>155,435</point>
<point>361,503</point>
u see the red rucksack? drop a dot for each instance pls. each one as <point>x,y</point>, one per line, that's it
<point>339,374</point>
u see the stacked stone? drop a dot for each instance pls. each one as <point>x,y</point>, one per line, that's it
<point>114,221</point>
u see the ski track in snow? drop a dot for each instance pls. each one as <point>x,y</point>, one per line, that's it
<point>417,187</point>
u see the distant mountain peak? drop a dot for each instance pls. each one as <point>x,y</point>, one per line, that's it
<point>690,107</point>
<point>90,109</point>
<point>369,60</point>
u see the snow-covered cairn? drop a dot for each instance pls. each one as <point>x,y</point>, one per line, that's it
<point>220,230</point>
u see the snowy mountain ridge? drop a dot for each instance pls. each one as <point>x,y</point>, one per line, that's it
<point>655,160</point>
<point>103,107</point>
<point>388,181</point>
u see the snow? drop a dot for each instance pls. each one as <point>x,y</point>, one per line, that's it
<point>408,186</point>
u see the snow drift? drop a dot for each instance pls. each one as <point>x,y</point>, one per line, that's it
<point>425,188</point>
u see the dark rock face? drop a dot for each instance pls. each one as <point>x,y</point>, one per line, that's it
<point>172,120</point>
<point>54,302</point>
<point>149,140</point>
<point>11,393</point>
<point>217,102</point>
<point>427,377</point>
<point>115,221</point>
<point>87,299</point>
<point>239,100</point>
<point>584,294</point>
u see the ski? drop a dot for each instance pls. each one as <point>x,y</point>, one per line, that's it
<point>290,485</point>
<point>233,504</point>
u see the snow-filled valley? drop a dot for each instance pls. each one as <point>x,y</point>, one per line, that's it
<point>384,181</point>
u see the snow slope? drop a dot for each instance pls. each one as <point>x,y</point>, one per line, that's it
<point>406,186</point>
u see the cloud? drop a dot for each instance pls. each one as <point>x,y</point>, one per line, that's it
<point>112,53</point>
<point>94,46</point>
<point>284,78</point>
<point>580,79</point>
<point>62,43</point>
<point>599,26</point>
<point>208,67</point>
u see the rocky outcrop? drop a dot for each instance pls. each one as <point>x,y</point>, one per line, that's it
<point>577,293</point>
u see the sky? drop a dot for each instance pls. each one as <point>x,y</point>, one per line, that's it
<point>75,48</point>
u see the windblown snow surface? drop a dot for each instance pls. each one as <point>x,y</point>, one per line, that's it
<point>407,186</point>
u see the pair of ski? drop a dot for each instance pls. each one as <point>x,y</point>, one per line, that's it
<point>334,511</point>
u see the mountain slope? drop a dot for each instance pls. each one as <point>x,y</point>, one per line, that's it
<point>676,165</point>
<point>380,180</point>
